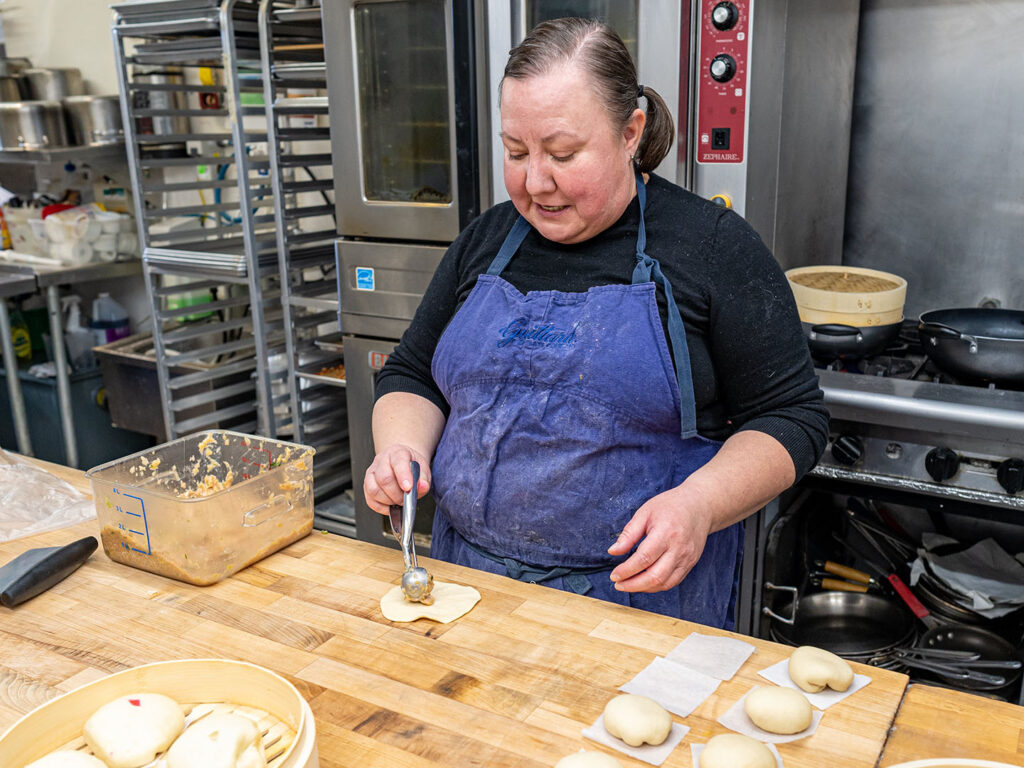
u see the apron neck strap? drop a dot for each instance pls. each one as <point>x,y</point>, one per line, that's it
<point>646,271</point>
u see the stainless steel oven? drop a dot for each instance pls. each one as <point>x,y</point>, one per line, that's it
<point>406,116</point>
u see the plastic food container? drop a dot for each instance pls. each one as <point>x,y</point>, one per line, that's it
<point>282,715</point>
<point>202,507</point>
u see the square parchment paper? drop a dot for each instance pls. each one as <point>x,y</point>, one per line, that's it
<point>653,755</point>
<point>696,749</point>
<point>736,719</point>
<point>678,689</point>
<point>779,674</point>
<point>719,657</point>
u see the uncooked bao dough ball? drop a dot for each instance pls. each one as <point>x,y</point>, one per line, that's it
<point>778,710</point>
<point>67,759</point>
<point>734,750</point>
<point>132,730</point>
<point>637,720</point>
<point>588,760</point>
<point>218,741</point>
<point>814,669</point>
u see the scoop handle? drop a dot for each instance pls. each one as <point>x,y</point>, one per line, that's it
<point>409,517</point>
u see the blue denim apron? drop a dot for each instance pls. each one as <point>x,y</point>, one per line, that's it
<point>567,416</point>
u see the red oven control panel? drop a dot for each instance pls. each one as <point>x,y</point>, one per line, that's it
<point>722,85</point>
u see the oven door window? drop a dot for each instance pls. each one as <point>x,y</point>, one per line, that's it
<point>403,78</point>
<point>620,16</point>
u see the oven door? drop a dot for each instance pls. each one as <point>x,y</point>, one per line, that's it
<point>404,113</point>
<point>656,32</point>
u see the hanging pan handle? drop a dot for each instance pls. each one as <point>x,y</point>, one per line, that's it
<point>796,598</point>
<point>935,330</point>
<point>834,329</point>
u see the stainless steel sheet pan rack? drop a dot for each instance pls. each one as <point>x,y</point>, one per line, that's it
<point>298,143</point>
<point>191,85</point>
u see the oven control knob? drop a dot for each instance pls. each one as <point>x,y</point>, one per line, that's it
<point>724,16</point>
<point>723,67</point>
<point>1010,475</point>
<point>942,463</point>
<point>847,449</point>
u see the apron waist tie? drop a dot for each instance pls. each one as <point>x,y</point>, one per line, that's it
<point>575,578</point>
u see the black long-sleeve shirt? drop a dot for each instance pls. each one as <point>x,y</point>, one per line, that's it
<point>750,364</point>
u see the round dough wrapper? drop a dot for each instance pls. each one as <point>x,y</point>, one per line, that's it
<point>67,758</point>
<point>588,760</point>
<point>637,720</point>
<point>734,750</point>
<point>132,730</point>
<point>451,601</point>
<point>814,669</point>
<point>218,741</point>
<point>778,710</point>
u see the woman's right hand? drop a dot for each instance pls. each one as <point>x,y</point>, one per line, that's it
<point>389,477</point>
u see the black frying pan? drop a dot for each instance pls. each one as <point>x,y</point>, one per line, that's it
<point>976,344</point>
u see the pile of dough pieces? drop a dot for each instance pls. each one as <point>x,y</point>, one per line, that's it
<point>638,720</point>
<point>131,731</point>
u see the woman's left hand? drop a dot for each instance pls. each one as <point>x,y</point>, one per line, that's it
<point>671,530</point>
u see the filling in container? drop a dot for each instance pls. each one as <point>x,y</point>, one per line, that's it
<point>202,507</point>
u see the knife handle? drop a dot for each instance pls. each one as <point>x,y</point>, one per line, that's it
<point>838,585</point>
<point>50,570</point>
<point>847,572</point>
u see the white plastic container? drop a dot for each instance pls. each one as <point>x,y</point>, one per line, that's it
<point>58,723</point>
<point>109,320</point>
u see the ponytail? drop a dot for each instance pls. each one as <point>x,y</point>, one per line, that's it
<point>658,134</point>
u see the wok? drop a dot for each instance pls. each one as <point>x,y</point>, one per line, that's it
<point>833,341</point>
<point>973,343</point>
<point>850,624</point>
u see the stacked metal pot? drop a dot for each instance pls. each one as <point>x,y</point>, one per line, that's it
<point>47,108</point>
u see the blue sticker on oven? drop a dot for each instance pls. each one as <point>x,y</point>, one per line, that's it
<point>364,279</point>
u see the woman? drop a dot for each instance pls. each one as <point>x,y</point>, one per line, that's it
<point>584,350</point>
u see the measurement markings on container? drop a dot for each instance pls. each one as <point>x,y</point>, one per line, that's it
<point>255,457</point>
<point>135,519</point>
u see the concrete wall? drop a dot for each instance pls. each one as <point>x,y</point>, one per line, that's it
<point>64,33</point>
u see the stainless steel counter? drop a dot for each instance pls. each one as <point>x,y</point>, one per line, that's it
<point>16,279</point>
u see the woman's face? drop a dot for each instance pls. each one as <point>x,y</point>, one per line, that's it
<point>568,168</point>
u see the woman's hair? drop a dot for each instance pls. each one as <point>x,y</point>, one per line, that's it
<point>600,52</point>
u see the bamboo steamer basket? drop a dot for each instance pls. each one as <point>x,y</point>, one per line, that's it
<point>847,295</point>
<point>283,716</point>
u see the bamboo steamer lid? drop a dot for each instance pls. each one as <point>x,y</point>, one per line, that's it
<point>853,291</point>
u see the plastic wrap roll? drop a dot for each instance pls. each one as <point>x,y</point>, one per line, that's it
<point>73,253</point>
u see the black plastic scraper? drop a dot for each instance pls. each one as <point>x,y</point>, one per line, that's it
<point>35,571</point>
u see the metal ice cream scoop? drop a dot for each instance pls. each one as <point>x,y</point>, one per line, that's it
<point>416,582</point>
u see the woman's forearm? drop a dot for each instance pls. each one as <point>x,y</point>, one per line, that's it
<point>749,470</point>
<point>407,419</point>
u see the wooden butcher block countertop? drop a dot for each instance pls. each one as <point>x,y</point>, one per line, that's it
<point>510,684</point>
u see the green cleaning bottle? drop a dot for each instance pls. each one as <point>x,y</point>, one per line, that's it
<point>20,337</point>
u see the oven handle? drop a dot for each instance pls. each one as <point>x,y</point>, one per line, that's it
<point>796,599</point>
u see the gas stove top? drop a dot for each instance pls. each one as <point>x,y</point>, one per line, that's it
<point>900,422</point>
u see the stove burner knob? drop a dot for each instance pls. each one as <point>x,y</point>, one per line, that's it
<point>724,16</point>
<point>1010,475</point>
<point>847,449</point>
<point>942,463</point>
<point>723,67</point>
